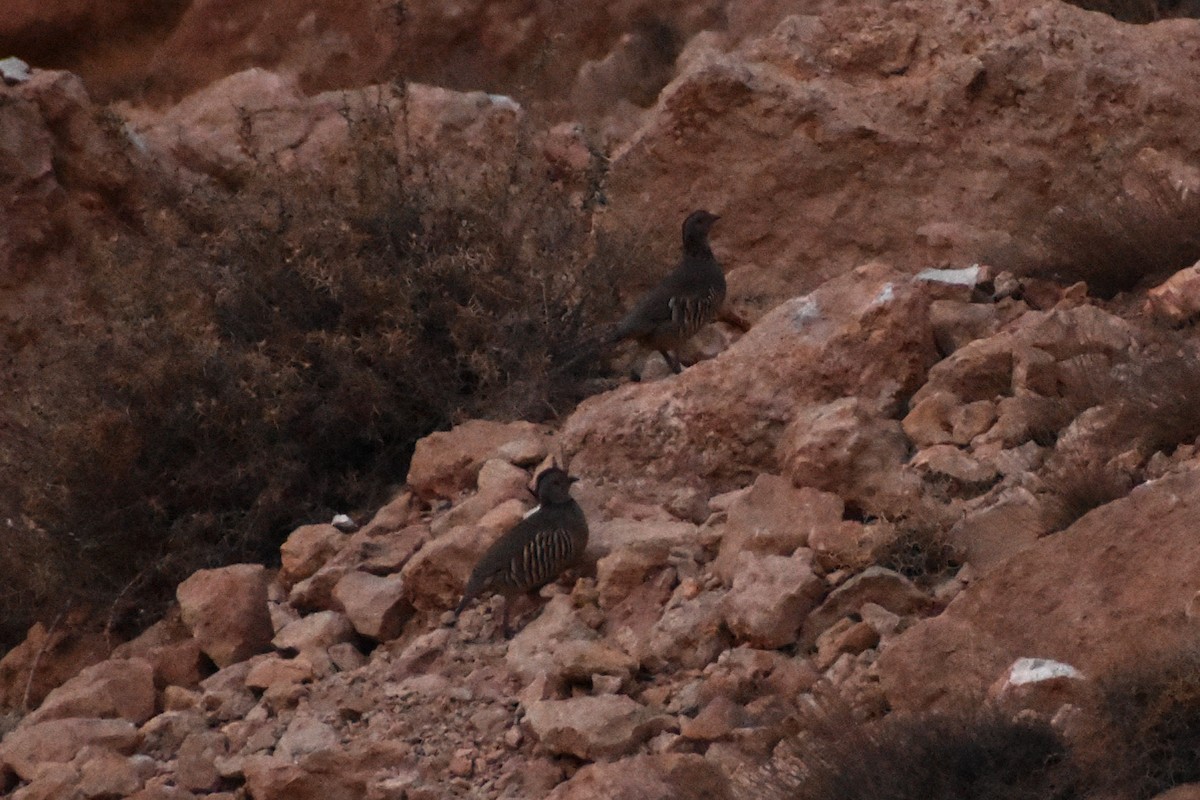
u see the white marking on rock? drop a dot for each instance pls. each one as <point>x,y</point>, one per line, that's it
<point>805,311</point>
<point>13,70</point>
<point>1033,670</point>
<point>967,276</point>
<point>504,101</point>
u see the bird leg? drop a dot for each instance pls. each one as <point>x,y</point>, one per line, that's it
<point>504,626</point>
<point>672,361</point>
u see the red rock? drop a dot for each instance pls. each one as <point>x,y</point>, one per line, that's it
<point>318,631</point>
<point>306,551</point>
<point>376,607</point>
<point>108,774</point>
<point>715,721</point>
<point>808,351</point>
<point>980,370</point>
<point>1011,523</point>
<point>53,782</point>
<point>848,543</point>
<point>623,571</point>
<point>956,323</point>
<point>670,776</point>
<point>224,694</point>
<point>593,727</point>
<point>689,634</point>
<point>971,420</point>
<point>162,735</point>
<point>226,610</point>
<point>847,448</point>
<point>773,518</point>
<point>929,422</point>
<point>770,597</point>
<point>650,535</point>
<point>844,637</point>
<point>435,577</point>
<point>877,585</point>
<point>446,463</point>
<point>1187,791</point>
<point>59,740</point>
<point>195,769</point>
<point>120,688</point>
<point>1039,685</point>
<point>1020,419</point>
<point>1176,300</point>
<point>47,659</point>
<point>908,205</point>
<point>392,517</point>
<point>172,652</point>
<point>559,645</point>
<point>1121,576</point>
<point>274,671</point>
<point>946,461</point>
<point>212,40</point>
<point>334,774</point>
<point>164,792</point>
<point>306,734</point>
<point>498,482</point>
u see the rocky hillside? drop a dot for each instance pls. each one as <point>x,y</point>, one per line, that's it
<point>916,523</point>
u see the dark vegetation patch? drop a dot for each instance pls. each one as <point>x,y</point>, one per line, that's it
<point>1127,413</point>
<point>1151,717</point>
<point>244,361</point>
<point>1141,11</point>
<point>921,548</point>
<point>1114,242</point>
<point>982,755</point>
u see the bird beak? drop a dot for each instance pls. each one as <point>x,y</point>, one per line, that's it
<point>571,479</point>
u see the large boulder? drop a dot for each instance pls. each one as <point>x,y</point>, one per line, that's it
<point>25,749</point>
<point>606,726</point>
<point>121,687</point>
<point>226,610</point>
<point>864,335</point>
<point>825,143</point>
<point>447,462</point>
<point>1118,580</point>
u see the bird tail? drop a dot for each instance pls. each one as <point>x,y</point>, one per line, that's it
<point>590,349</point>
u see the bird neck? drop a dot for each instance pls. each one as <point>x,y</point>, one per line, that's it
<point>695,245</point>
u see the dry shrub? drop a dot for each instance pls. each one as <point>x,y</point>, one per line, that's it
<point>1078,487</point>
<point>1141,12</point>
<point>1150,712</point>
<point>242,362</point>
<point>1127,413</point>
<point>1157,407</point>
<point>921,548</point>
<point>1113,242</point>
<point>982,755</point>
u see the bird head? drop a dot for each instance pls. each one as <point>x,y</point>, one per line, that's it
<point>698,224</point>
<point>554,486</point>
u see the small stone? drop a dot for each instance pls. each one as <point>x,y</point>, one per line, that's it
<point>13,70</point>
<point>376,606</point>
<point>343,523</point>
<point>346,657</point>
<point>844,637</point>
<point>461,763</point>
<point>607,684</point>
